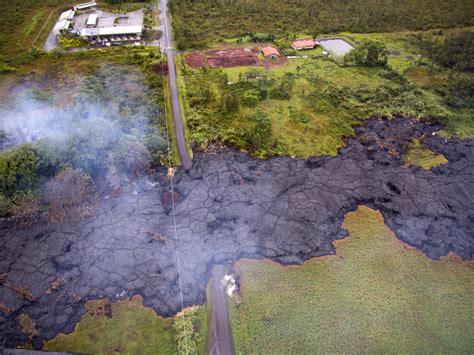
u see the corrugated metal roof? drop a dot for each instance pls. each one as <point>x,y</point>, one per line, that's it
<point>62,25</point>
<point>85,5</point>
<point>92,20</point>
<point>110,31</point>
<point>67,15</point>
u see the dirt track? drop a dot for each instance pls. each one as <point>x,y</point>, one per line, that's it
<point>232,206</point>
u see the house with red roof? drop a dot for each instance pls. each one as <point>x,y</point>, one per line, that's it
<point>301,44</point>
<point>271,52</point>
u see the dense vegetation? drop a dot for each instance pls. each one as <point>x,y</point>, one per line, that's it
<point>376,295</point>
<point>200,23</point>
<point>113,129</point>
<point>313,103</point>
<point>455,50</point>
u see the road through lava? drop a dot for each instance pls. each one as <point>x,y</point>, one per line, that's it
<point>230,206</point>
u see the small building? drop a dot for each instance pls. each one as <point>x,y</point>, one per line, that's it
<point>302,44</point>
<point>67,15</point>
<point>271,52</point>
<point>91,21</point>
<point>85,6</point>
<point>61,27</point>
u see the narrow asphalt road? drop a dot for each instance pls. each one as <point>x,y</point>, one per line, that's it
<point>166,46</point>
<point>220,335</point>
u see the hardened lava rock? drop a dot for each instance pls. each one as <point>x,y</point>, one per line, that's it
<point>230,206</point>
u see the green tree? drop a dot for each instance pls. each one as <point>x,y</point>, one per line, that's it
<point>130,156</point>
<point>259,135</point>
<point>18,169</point>
<point>251,97</point>
<point>367,54</point>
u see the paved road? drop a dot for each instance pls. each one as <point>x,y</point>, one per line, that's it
<point>166,45</point>
<point>220,336</point>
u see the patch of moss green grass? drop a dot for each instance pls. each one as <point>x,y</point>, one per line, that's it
<point>375,295</point>
<point>132,329</point>
<point>420,155</point>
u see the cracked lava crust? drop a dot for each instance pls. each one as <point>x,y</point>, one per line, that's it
<point>230,206</point>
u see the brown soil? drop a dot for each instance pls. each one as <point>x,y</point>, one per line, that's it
<point>224,57</point>
<point>195,60</point>
<point>233,52</point>
<point>233,62</point>
<point>161,68</point>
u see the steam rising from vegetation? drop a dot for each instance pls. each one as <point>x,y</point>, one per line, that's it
<point>110,129</point>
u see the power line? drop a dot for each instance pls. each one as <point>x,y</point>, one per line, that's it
<point>171,176</point>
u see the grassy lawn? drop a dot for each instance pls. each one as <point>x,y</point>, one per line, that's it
<point>420,155</point>
<point>132,329</point>
<point>375,295</point>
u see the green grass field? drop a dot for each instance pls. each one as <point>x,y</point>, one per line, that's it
<point>376,295</point>
<point>132,329</point>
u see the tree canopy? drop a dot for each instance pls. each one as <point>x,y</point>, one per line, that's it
<point>197,24</point>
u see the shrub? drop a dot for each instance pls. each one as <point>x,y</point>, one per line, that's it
<point>5,205</point>
<point>185,335</point>
<point>18,169</point>
<point>251,97</point>
<point>25,208</point>
<point>130,156</point>
<point>5,69</point>
<point>259,135</point>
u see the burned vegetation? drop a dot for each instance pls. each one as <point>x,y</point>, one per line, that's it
<point>59,152</point>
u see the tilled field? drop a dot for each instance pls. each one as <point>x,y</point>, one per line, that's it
<point>230,206</point>
<point>231,57</point>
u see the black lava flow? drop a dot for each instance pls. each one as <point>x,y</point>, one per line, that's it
<point>230,206</point>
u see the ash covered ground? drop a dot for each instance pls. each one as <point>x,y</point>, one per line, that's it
<point>230,206</point>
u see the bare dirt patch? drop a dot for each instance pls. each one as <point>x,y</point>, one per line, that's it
<point>229,57</point>
<point>233,52</point>
<point>233,62</point>
<point>195,60</point>
<point>161,68</point>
